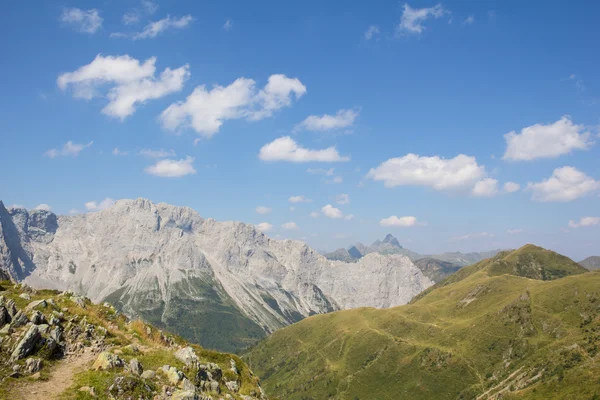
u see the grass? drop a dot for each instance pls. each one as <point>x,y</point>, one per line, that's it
<point>461,339</point>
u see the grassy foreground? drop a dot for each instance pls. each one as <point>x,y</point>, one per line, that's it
<point>522,325</point>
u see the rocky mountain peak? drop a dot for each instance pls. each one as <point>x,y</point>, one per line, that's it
<point>390,239</point>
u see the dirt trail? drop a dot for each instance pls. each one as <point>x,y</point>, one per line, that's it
<point>60,379</point>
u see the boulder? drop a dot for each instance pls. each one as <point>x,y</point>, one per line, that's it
<point>174,376</point>
<point>25,296</point>
<point>187,355</point>
<point>107,361</point>
<point>34,304</point>
<point>4,316</point>
<point>27,343</point>
<point>232,386</point>
<point>148,374</point>
<point>80,301</point>
<point>11,307</point>
<point>233,367</point>
<point>19,319</point>
<point>135,367</point>
<point>33,365</point>
<point>37,318</point>
<point>184,395</point>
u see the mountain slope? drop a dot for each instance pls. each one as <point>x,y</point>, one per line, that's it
<point>436,270</point>
<point>590,263</point>
<point>224,285</point>
<point>487,335</point>
<point>58,345</point>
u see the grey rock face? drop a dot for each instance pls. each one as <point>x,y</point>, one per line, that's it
<point>135,367</point>
<point>27,343</point>
<point>153,260</point>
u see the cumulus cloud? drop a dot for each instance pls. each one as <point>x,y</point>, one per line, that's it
<point>334,213</point>
<point>321,171</point>
<point>546,141</point>
<point>470,236</point>
<point>155,28</point>
<point>81,20</point>
<point>299,199</point>
<point>371,32</point>
<point>172,168</point>
<point>68,149</point>
<point>412,19</point>
<point>131,82</point>
<point>510,187</point>
<point>95,206</point>
<point>43,207</point>
<point>289,225</point>
<point>514,231</point>
<point>263,210</point>
<point>402,222</point>
<point>487,187</point>
<point>161,153</point>
<point>584,221</point>
<point>565,184</point>
<point>264,226</point>
<point>326,122</point>
<point>459,173</point>
<point>342,198</point>
<point>286,149</point>
<point>205,110</point>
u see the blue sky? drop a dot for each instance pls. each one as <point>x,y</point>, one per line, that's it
<point>394,118</point>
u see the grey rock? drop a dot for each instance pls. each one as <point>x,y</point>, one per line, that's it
<point>27,343</point>
<point>33,365</point>
<point>233,386</point>
<point>4,316</point>
<point>35,304</point>
<point>37,318</point>
<point>187,355</point>
<point>19,319</point>
<point>184,395</point>
<point>25,296</point>
<point>135,367</point>
<point>11,307</point>
<point>149,374</point>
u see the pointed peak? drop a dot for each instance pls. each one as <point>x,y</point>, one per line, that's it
<point>389,238</point>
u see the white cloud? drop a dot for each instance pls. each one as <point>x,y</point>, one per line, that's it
<point>117,152</point>
<point>155,28</point>
<point>413,18</point>
<point>206,110</point>
<point>371,32</point>
<point>228,25</point>
<point>402,222</point>
<point>73,211</point>
<point>83,21</point>
<point>546,141</point>
<point>579,85</point>
<point>349,217</point>
<point>342,119</point>
<point>470,236</point>
<point>16,206</point>
<point>172,168</point>
<point>459,173</point>
<point>130,18</point>
<point>263,210</point>
<point>104,204</point>
<point>334,180</point>
<point>161,153</point>
<point>299,199</point>
<point>149,7</point>
<point>321,171</point>
<point>134,16</point>
<point>469,20</point>
<point>514,231</point>
<point>584,221</point>
<point>342,198</point>
<point>286,149</point>
<point>487,187</point>
<point>264,226</point>
<point>289,225</point>
<point>68,149</point>
<point>510,187</point>
<point>314,214</point>
<point>331,212</point>
<point>565,184</point>
<point>131,82</point>
<point>292,209</point>
<point>43,207</point>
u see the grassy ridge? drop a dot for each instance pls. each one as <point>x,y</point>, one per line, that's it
<point>489,330</point>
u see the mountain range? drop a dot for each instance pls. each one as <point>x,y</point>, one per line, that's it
<point>592,262</point>
<point>224,285</point>
<point>391,245</point>
<point>524,324</point>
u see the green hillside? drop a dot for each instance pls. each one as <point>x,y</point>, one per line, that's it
<point>61,346</point>
<point>503,328</point>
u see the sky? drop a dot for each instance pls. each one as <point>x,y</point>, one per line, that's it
<point>455,126</point>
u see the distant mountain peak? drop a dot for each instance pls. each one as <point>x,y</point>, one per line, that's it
<point>390,239</point>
